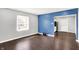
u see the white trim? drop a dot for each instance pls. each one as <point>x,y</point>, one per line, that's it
<point>77,41</point>
<point>47,34</point>
<point>16,38</point>
<point>75,25</point>
<point>78,23</point>
<point>40,33</point>
<point>50,35</point>
<point>64,16</point>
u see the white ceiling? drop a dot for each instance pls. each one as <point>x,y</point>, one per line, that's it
<point>38,11</point>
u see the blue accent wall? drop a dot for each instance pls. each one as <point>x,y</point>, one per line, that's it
<point>44,24</point>
<point>46,21</point>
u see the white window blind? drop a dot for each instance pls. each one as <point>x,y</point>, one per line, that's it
<point>22,23</point>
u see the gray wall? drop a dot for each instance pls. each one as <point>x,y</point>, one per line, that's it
<point>8,19</point>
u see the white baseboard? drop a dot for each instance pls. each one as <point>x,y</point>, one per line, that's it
<point>50,35</point>
<point>16,38</point>
<point>77,41</point>
<point>47,34</point>
<point>40,33</point>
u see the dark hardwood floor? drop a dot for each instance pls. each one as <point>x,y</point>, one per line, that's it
<point>61,41</point>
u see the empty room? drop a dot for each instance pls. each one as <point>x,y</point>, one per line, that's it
<point>39,29</point>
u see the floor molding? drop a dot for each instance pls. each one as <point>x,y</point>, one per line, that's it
<point>47,34</point>
<point>77,41</point>
<point>50,35</point>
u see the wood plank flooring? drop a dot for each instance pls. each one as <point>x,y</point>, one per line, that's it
<point>61,41</point>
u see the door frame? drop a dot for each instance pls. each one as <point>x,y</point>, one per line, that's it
<point>68,16</point>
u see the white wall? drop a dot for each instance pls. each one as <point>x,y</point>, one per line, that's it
<point>78,24</point>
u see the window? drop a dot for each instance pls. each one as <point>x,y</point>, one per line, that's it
<point>22,23</point>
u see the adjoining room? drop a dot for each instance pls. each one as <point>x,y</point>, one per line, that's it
<point>39,29</point>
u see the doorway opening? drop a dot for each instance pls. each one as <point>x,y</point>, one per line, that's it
<point>65,24</point>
